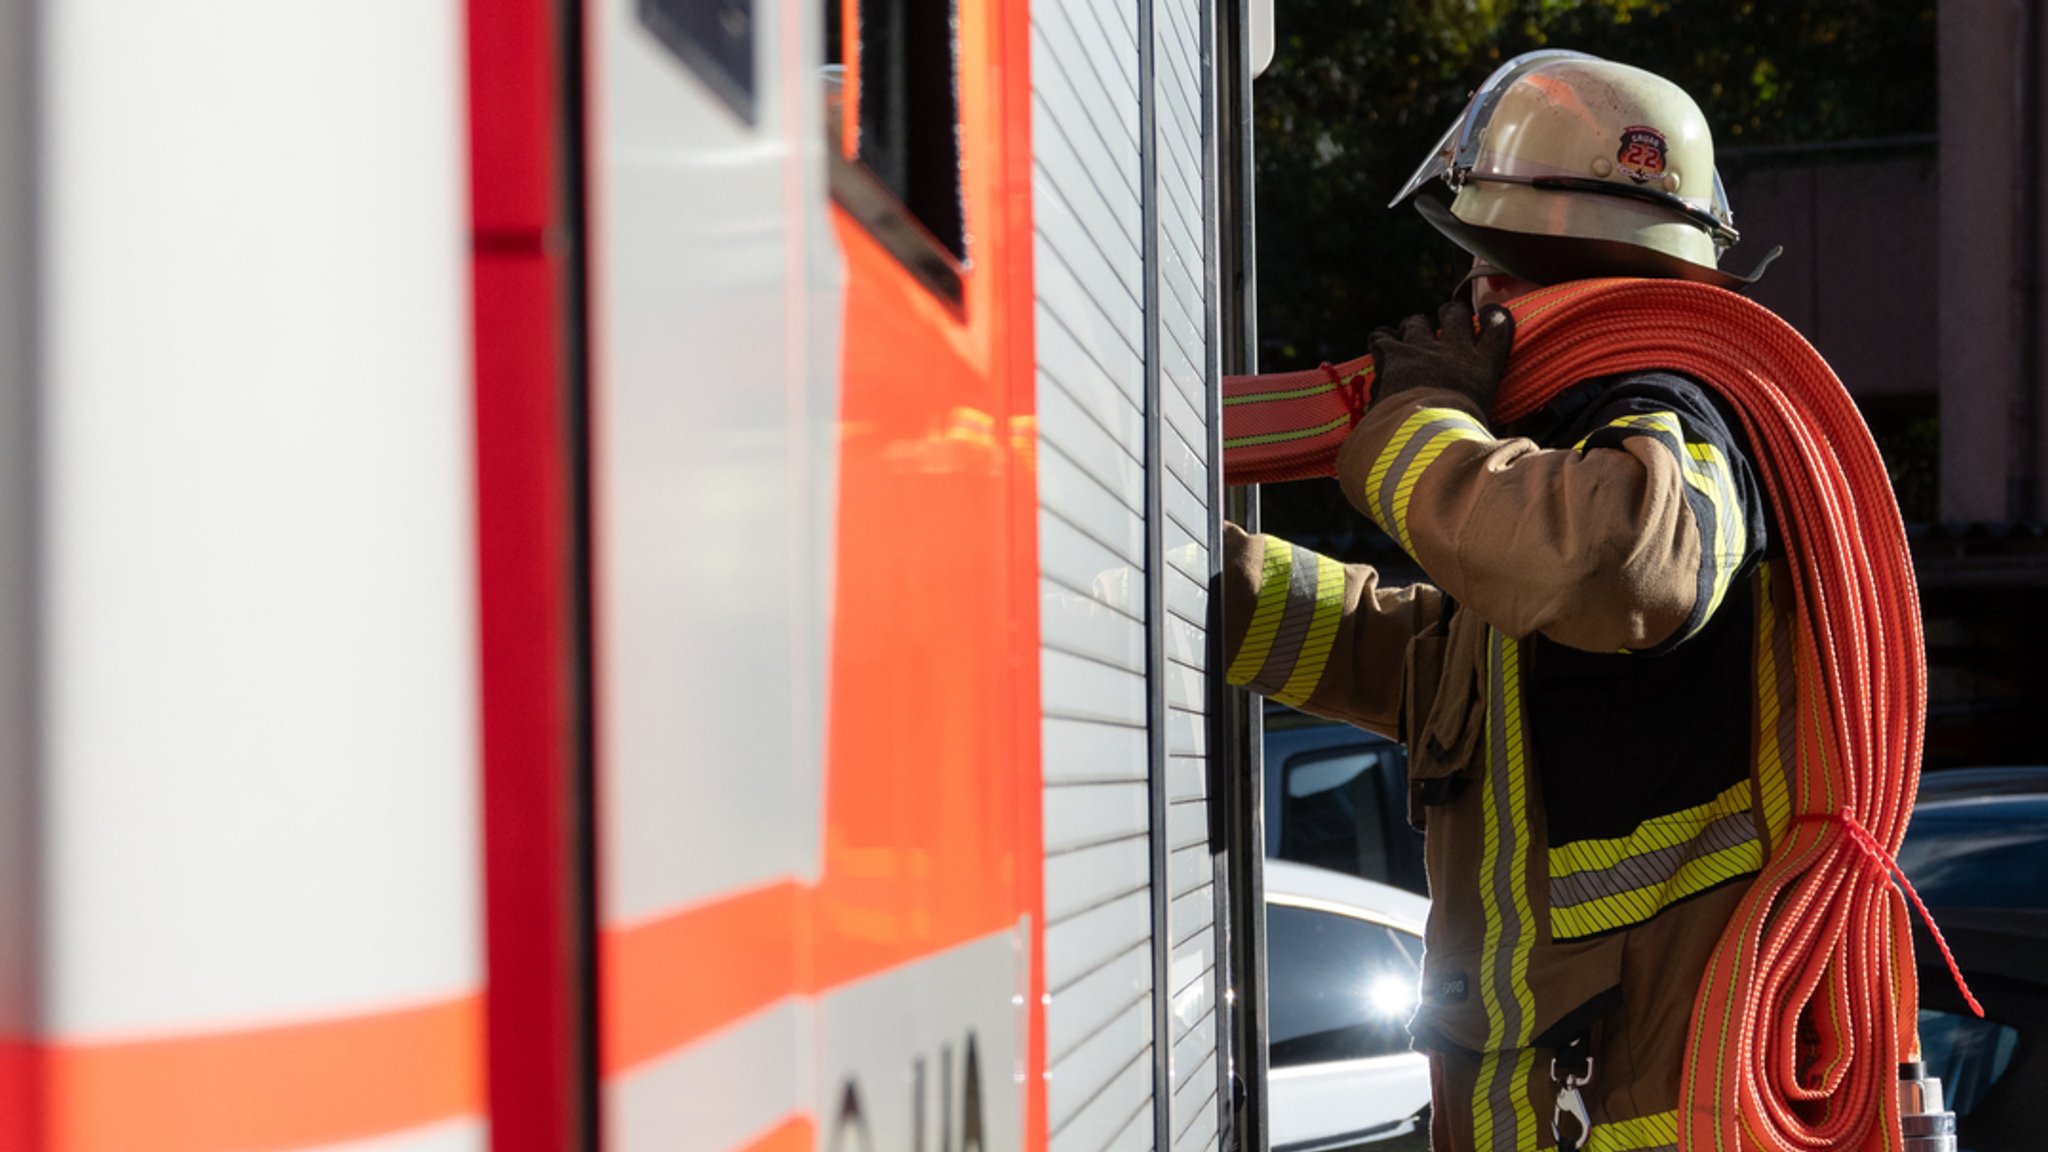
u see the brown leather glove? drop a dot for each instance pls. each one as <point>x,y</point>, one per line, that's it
<point>1418,356</point>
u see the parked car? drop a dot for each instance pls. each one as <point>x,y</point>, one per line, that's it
<point>1343,962</point>
<point>1977,852</point>
<point>1336,798</point>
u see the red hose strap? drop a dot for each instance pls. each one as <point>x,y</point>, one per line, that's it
<point>1887,863</point>
<point>1352,392</point>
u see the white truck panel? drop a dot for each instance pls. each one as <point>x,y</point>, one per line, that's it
<point>259,763</point>
<point>715,335</point>
<point>717,1095</point>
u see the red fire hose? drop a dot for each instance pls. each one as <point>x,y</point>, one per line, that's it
<point>1809,1002</point>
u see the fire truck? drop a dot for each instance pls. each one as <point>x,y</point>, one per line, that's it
<point>622,574</point>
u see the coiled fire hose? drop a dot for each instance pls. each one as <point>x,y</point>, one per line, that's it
<point>1809,1002</point>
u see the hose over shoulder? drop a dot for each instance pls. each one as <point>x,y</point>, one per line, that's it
<point>1821,939</point>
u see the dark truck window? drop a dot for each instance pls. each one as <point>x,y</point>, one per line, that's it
<point>715,39</point>
<point>901,179</point>
<point>1337,987</point>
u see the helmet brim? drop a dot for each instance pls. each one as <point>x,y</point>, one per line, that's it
<point>1543,259</point>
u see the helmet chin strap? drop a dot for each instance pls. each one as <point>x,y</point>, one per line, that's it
<point>1479,271</point>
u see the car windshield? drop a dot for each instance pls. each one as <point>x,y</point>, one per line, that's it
<point>1984,852</point>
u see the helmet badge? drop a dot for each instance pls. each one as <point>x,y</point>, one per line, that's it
<point>1641,154</point>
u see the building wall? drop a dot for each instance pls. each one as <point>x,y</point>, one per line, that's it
<point>1979,231</point>
<point>1858,274</point>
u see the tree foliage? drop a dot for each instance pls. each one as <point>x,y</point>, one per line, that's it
<point>1360,90</point>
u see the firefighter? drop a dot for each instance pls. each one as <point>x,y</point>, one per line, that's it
<point>1588,679</point>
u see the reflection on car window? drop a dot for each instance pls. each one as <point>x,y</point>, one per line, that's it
<point>1971,859</point>
<point>1338,988</point>
<point>1332,815</point>
<point>1969,1055</point>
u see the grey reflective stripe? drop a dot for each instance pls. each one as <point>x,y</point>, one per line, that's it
<point>1652,869</point>
<point>1397,473</point>
<point>1504,1106</point>
<point>1295,619</point>
<point>1509,1098</point>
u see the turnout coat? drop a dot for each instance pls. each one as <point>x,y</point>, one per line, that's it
<point>1595,689</point>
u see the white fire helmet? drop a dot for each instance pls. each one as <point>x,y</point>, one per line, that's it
<point>1567,166</point>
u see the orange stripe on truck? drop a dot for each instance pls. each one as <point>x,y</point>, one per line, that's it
<point>796,1134</point>
<point>670,981</point>
<point>289,1086</point>
<point>684,975</point>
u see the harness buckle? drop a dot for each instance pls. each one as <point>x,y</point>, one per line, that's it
<point>1573,1074</point>
<point>1571,1102</point>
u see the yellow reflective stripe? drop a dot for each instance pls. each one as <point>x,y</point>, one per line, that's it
<point>1524,1103</point>
<point>1322,633</point>
<point>1707,470</point>
<point>1504,854</point>
<point>1377,478</point>
<point>1413,474</point>
<point>1654,834</point>
<point>1518,800</point>
<point>1773,685</point>
<point>1422,438</point>
<point>1654,1133</point>
<point>1299,605</point>
<point>1637,905</point>
<point>1490,906</point>
<point>1503,1113</point>
<point>1664,422</point>
<point>1600,885</point>
<point>1272,605</point>
<point>1483,1104</point>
